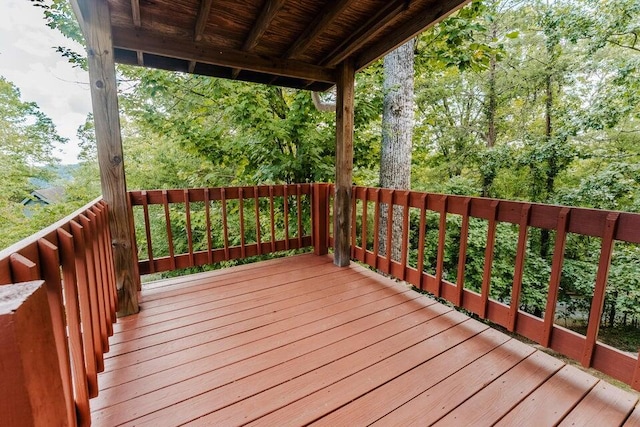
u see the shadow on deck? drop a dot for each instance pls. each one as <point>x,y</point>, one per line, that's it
<point>297,340</point>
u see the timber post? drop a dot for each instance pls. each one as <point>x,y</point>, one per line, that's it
<point>104,96</point>
<point>32,384</point>
<point>344,163</point>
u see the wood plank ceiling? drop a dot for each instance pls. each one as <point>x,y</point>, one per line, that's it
<point>293,43</point>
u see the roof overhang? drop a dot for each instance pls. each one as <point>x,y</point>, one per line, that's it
<point>292,43</point>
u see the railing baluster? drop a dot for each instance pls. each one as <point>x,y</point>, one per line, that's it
<point>488,259</point>
<point>462,255</point>
<point>167,218</point>
<point>100,290</point>
<point>90,328</point>
<point>50,270</point>
<point>82,380</point>
<point>364,237</point>
<point>147,230</point>
<point>187,212</point>
<point>376,228</point>
<point>597,303</point>
<point>207,213</point>
<point>519,267</point>
<point>104,271</point>
<point>273,219</point>
<point>110,261</point>
<point>405,235</point>
<point>97,314</point>
<point>286,217</point>
<point>257,209</point>
<point>299,204</point>
<point>225,229</point>
<point>354,204</point>
<point>442,230</point>
<point>556,273</point>
<point>389,239</point>
<point>421,237</point>
<point>242,246</point>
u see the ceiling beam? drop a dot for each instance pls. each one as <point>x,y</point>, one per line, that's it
<point>360,37</point>
<point>269,11</point>
<point>135,12</point>
<point>315,28</point>
<point>202,19</point>
<point>420,20</point>
<point>156,43</point>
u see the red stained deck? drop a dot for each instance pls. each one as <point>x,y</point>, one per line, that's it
<point>297,340</point>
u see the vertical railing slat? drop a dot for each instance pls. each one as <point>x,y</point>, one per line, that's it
<point>556,273</point>
<point>286,216</point>
<point>462,255</point>
<point>147,230</point>
<point>354,204</point>
<point>299,211</point>
<point>597,303</point>
<point>442,230</point>
<point>257,209</point>
<point>90,329</point>
<point>225,227</point>
<point>421,236</point>
<point>518,271</point>
<point>207,213</point>
<point>365,219</point>
<point>79,361</point>
<point>273,219</point>
<point>105,315</point>
<point>389,237</point>
<point>376,228</point>
<point>187,212</point>
<point>405,235</point>
<point>97,315</point>
<point>104,271</point>
<point>488,259</point>
<point>243,252</point>
<point>50,270</point>
<point>167,218</point>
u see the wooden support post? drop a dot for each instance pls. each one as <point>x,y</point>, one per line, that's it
<point>31,379</point>
<point>104,95</point>
<point>344,163</point>
<point>320,212</point>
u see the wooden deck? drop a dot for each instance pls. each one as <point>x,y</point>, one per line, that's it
<point>295,341</point>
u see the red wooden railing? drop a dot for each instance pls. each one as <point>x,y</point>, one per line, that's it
<point>221,224</point>
<point>607,226</point>
<point>74,259</point>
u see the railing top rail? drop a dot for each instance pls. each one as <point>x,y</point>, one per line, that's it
<point>585,221</point>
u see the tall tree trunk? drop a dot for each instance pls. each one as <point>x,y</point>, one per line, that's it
<point>397,132</point>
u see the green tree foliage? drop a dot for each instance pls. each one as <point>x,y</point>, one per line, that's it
<point>27,138</point>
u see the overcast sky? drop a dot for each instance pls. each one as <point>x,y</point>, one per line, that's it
<point>28,59</point>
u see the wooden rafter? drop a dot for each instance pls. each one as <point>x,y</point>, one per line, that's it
<point>135,12</point>
<point>410,29</point>
<point>315,28</point>
<point>269,11</point>
<point>202,19</point>
<point>364,34</point>
<point>164,45</point>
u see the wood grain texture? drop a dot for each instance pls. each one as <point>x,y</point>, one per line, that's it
<point>102,78</point>
<point>30,393</point>
<point>315,343</point>
<point>344,163</point>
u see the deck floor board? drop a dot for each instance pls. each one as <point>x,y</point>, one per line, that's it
<point>296,340</point>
